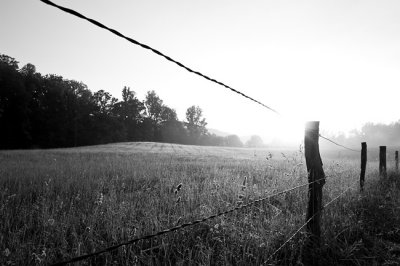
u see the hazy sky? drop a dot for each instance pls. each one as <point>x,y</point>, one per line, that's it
<point>333,61</point>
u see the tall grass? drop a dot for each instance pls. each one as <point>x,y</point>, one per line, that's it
<point>57,204</point>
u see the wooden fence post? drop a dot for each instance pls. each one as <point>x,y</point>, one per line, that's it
<point>382,161</point>
<point>363,164</point>
<point>396,158</point>
<point>315,172</point>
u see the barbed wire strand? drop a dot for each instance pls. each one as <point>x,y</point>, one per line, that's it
<point>75,13</point>
<point>243,206</point>
<point>301,227</point>
<point>340,145</point>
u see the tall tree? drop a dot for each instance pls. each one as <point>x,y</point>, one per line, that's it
<point>131,112</point>
<point>196,124</point>
<point>9,61</point>
<point>171,129</point>
<point>168,114</point>
<point>104,101</point>
<point>14,106</point>
<point>154,106</point>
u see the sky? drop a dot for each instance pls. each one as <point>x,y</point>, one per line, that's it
<point>337,62</point>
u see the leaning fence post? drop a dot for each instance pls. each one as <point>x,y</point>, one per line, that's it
<point>396,158</point>
<point>382,161</point>
<point>316,180</point>
<point>363,164</point>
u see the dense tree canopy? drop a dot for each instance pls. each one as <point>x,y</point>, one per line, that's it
<point>48,111</point>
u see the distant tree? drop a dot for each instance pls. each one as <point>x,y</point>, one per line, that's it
<point>28,70</point>
<point>196,124</point>
<point>172,130</point>
<point>130,112</point>
<point>212,140</point>
<point>154,106</point>
<point>168,114</point>
<point>104,101</point>
<point>9,61</point>
<point>154,111</point>
<point>14,106</point>
<point>36,92</point>
<point>233,141</point>
<point>217,140</point>
<point>254,141</point>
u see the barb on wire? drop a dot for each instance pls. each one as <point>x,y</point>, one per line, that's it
<point>303,225</point>
<point>75,13</point>
<point>129,242</point>
<point>340,145</point>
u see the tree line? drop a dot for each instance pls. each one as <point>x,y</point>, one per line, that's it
<point>375,134</point>
<point>48,111</point>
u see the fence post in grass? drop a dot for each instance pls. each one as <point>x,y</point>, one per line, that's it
<point>363,164</point>
<point>396,158</point>
<point>382,161</point>
<point>315,172</point>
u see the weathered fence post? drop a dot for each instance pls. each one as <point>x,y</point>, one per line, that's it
<point>382,161</point>
<point>316,180</point>
<point>396,158</point>
<point>363,164</point>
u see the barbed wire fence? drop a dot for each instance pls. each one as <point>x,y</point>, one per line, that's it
<point>337,144</point>
<point>184,225</point>
<point>305,224</point>
<point>311,184</point>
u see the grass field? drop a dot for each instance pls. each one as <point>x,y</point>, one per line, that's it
<point>61,203</point>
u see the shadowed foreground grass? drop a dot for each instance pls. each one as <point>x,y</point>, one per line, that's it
<point>58,204</point>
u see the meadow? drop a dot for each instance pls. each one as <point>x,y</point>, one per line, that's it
<point>61,203</point>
